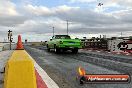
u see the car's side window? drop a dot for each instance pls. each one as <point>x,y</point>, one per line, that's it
<point>56,37</point>
<point>53,37</point>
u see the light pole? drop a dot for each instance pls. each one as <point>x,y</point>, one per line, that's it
<point>53,30</point>
<point>10,37</point>
<point>121,34</point>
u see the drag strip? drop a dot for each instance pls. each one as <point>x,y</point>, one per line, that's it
<point>63,68</point>
<point>106,63</point>
<point>114,58</point>
<point>116,63</point>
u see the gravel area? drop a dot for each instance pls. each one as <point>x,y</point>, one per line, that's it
<point>62,68</point>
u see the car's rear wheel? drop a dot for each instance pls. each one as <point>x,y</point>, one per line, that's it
<point>75,50</point>
<point>48,49</point>
<point>56,49</point>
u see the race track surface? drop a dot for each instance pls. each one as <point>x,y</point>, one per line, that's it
<point>63,68</point>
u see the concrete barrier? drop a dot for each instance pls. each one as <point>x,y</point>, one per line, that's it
<point>19,71</point>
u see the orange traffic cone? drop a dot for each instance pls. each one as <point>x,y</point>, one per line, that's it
<point>19,44</point>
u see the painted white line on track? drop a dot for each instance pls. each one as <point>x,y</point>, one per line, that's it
<point>118,53</point>
<point>48,81</point>
<point>128,54</point>
<point>98,51</point>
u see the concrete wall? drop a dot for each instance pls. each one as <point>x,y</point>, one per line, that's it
<point>6,46</point>
<point>2,45</point>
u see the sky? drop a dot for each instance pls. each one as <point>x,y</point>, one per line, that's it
<point>34,19</point>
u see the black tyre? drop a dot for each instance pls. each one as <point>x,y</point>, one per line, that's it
<point>75,51</point>
<point>57,50</point>
<point>48,49</point>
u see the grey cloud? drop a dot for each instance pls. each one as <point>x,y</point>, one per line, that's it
<point>85,16</point>
<point>88,17</point>
<point>11,21</point>
<point>90,21</point>
<point>80,20</point>
<point>100,30</point>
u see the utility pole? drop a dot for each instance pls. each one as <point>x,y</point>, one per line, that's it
<point>10,37</point>
<point>121,34</point>
<point>53,30</point>
<point>67,27</point>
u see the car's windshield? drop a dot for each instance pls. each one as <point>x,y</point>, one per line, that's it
<point>62,37</point>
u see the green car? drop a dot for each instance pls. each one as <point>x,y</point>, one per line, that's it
<point>62,43</point>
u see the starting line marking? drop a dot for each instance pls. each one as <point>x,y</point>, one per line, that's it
<point>48,81</point>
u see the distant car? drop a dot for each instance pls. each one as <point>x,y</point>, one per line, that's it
<point>62,43</point>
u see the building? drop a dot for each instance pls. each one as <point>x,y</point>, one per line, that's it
<point>95,43</point>
<point>113,45</point>
<point>120,45</point>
